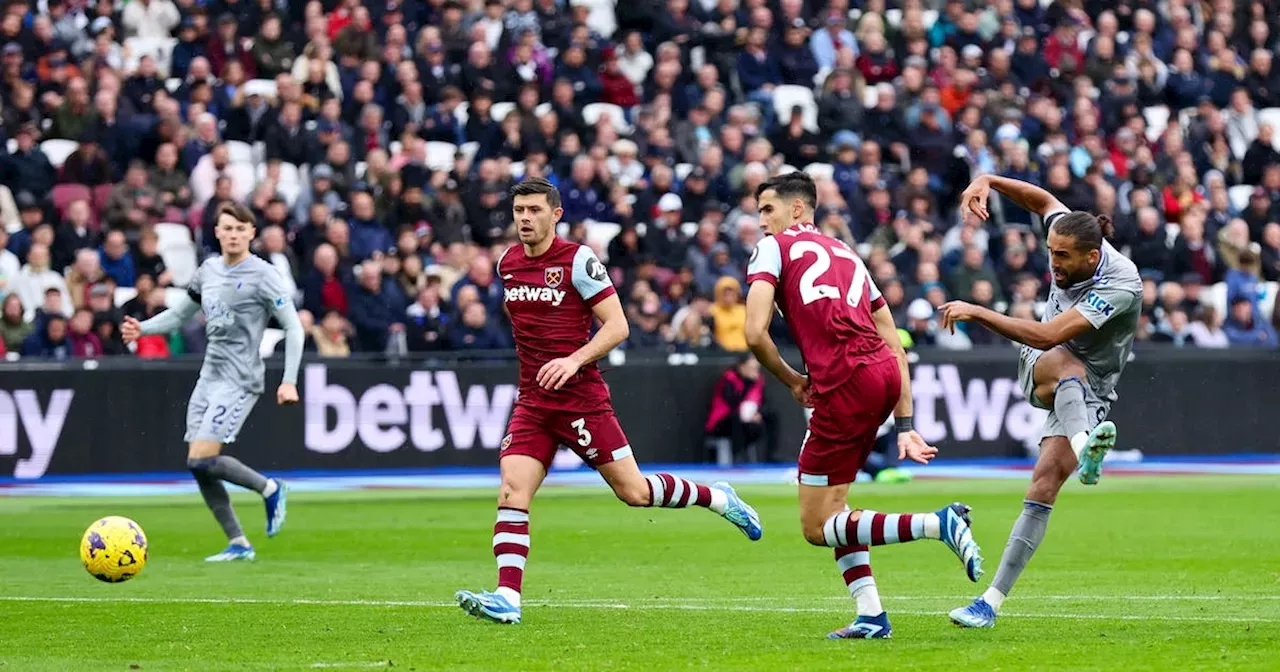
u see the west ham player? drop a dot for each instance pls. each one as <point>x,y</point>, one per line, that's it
<point>857,377</point>
<point>1070,363</point>
<point>552,289</point>
<point>239,293</point>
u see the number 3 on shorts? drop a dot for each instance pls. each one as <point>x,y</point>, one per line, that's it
<point>584,436</point>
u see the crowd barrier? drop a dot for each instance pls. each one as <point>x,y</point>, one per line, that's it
<point>127,417</point>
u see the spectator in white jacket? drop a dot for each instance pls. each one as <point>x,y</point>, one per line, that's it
<point>150,18</point>
<point>9,266</point>
<point>1242,122</point>
<point>36,278</point>
<point>211,166</point>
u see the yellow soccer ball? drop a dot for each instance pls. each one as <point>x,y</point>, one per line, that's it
<point>114,549</point>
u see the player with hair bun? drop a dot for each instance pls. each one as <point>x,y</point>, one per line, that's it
<point>1070,362</point>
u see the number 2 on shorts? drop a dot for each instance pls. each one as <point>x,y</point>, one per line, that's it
<point>584,436</point>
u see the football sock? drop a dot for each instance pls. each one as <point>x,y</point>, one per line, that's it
<point>511,549</point>
<point>271,488</point>
<point>673,492</point>
<point>1072,411</point>
<point>231,470</point>
<point>215,497</point>
<point>1028,532</point>
<point>855,565</point>
<point>870,528</point>
<point>240,541</point>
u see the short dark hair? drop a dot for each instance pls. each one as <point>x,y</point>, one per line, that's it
<point>1087,230</point>
<point>239,212</point>
<point>533,186</point>
<point>792,185</point>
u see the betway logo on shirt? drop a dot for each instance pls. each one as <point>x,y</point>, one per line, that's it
<point>542,294</point>
<point>380,415</point>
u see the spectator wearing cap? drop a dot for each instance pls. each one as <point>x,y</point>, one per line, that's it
<point>31,216</point>
<point>1245,328</point>
<point>27,169</point>
<point>664,239</point>
<point>832,37</point>
<point>225,46</point>
<point>615,87</point>
<point>798,64</point>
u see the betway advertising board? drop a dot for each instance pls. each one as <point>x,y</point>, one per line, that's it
<point>368,415</point>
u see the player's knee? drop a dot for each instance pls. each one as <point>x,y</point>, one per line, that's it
<point>514,495</point>
<point>813,534</point>
<point>199,465</point>
<point>634,494</point>
<point>1046,484</point>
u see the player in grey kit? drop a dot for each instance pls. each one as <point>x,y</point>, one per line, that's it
<point>239,293</point>
<point>1070,362</point>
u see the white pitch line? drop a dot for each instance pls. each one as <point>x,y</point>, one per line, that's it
<point>332,666</point>
<point>639,606</point>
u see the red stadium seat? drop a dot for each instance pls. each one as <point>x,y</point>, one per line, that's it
<point>65,194</point>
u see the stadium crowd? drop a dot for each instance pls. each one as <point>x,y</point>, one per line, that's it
<point>376,142</point>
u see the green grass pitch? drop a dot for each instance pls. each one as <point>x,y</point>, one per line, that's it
<point>1153,573</point>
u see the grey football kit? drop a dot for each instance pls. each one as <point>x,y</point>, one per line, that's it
<point>1111,300</point>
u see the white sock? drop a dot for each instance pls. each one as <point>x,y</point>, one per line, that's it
<point>512,596</point>
<point>994,598</point>
<point>868,600</point>
<point>931,527</point>
<point>719,500</point>
<point>240,541</point>
<point>1078,443</point>
<point>271,488</point>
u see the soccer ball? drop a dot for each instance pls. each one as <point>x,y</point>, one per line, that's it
<point>114,549</point>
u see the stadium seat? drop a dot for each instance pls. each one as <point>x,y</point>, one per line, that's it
<point>1268,300</point>
<point>101,194</point>
<point>689,229</point>
<point>58,150</point>
<point>820,171</point>
<point>124,295</point>
<point>591,115</point>
<point>440,155</point>
<point>462,113</point>
<point>361,168</point>
<point>1216,297</point>
<point>788,96</point>
<point>929,17</point>
<point>64,194</point>
<point>239,151</point>
<point>469,150</point>
<point>11,145</point>
<point>786,169</point>
<point>270,337</point>
<point>182,262</point>
<point>602,233</point>
<point>499,110</point>
<point>262,87</point>
<point>394,148</point>
<point>1271,115</point>
<point>683,170</point>
<point>541,109</point>
<point>170,234</point>
<point>1157,118</point>
<point>1240,195</point>
<point>517,170</point>
<point>172,84</point>
<point>870,97</point>
<point>159,48</point>
<point>172,295</point>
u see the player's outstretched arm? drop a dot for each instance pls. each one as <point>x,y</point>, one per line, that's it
<point>1039,335</point>
<point>759,315</point>
<point>1026,195</point>
<point>613,331</point>
<point>294,341</point>
<point>169,320</point>
<point>910,443</point>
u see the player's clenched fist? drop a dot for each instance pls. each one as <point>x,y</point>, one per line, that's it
<point>287,393</point>
<point>130,329</point>
<point>555,373</point>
